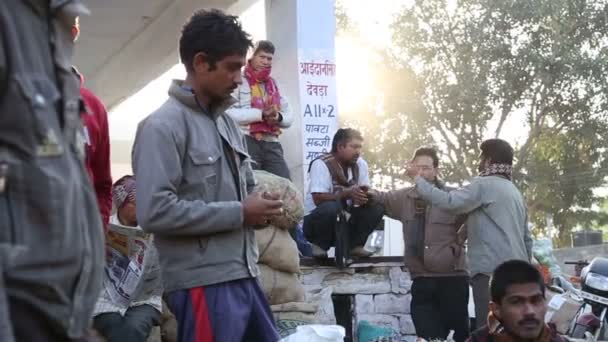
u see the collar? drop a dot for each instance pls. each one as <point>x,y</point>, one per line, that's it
<point>186,97</point>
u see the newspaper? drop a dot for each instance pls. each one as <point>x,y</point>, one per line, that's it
<point>132,268</point>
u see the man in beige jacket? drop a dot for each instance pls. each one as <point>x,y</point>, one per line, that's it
<point>434,255</point>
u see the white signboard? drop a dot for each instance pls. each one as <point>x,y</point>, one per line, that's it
<point>317,77</point>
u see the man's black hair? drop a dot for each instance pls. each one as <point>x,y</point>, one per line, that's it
<point>214,33</point>
<point>510,273</point>
<point>498,151</point>
<point>264,46</point>
<point>344,136</point>
<point>428,152</point>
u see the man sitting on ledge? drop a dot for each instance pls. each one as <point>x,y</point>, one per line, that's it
<point>339,180</point>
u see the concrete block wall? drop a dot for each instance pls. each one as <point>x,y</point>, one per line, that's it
<point>380,294</point>
<point>578,253</point>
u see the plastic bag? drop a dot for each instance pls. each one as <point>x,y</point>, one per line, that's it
<point>375,241</point>
<point>317,333</point>
<point>543,253</point>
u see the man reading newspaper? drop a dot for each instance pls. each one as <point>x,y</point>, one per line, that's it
<point>130,304</point>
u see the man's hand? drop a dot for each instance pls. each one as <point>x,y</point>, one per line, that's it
<point>358,194</point>
<point>270,115</point>
<point>258,208</point>
<point>274,120</point>
<point>412,170</point>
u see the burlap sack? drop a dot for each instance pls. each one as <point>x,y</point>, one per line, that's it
<point>293,204</point>
<point>294,306</point>
<point>289,316</point>
<point>280,287</point>
<point>278,249</point>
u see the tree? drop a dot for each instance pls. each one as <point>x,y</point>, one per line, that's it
<point>456,75</point>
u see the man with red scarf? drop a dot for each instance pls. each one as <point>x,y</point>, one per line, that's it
<point>262,111</point>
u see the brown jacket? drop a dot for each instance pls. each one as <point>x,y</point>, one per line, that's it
<point>444,254</point>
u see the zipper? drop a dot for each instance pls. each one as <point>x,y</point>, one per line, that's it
<point>9,207</point>
<point>84,278</point>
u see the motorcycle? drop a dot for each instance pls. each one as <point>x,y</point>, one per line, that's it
<point>591,317</point>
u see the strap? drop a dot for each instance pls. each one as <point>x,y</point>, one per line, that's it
<point>274,233</point>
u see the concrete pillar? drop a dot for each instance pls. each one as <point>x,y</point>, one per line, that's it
<point>303,31</point>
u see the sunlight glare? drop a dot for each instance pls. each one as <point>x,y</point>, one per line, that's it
<point>353,75</point>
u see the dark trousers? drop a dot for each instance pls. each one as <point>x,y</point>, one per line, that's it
<point>268,156</point>
<point>480,283</point>
<point>29,324</point>
<point>234,311</point>
<point>440,304</point>
<point>134,326</point>
<point>320,224</point>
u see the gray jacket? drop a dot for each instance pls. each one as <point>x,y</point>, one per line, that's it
<point>443,254</point>
<point>497,220</point>
<point>187,195</point>
<point>49,220</point>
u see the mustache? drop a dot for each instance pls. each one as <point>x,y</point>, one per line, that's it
<point>528,321</point>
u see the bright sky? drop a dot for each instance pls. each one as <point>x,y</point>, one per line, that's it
<point>373,18</point>
<point>355,65</point>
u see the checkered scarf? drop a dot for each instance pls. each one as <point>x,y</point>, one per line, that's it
<point>123,191</point>
<point>504,170</point>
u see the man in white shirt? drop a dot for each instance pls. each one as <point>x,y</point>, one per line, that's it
<point>339,180</point>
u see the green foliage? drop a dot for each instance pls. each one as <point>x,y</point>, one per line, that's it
<point>457,75</point>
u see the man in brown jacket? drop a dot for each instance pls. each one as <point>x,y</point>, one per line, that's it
<point>434,254</point>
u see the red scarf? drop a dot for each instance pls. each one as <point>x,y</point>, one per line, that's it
<point>262,99</point>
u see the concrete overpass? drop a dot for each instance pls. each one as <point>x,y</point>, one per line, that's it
<point>126,44</point>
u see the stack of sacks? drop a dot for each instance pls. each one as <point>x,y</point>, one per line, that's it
<point>318,309</point>
<point>279,259</point>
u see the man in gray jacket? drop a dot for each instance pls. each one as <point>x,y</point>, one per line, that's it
<point>51,238</point>
<point>497,217</point>
<point>193,178</point>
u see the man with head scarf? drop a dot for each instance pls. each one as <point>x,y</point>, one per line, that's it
<point>262,111</point>
<point>132,322</point>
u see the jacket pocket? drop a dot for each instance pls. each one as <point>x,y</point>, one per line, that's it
<point>41,95</point>
<point>441,258</point>
<point>204,169</point>
<point>441,251</point>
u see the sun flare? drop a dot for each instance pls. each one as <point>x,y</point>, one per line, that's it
<point>353,78</point>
